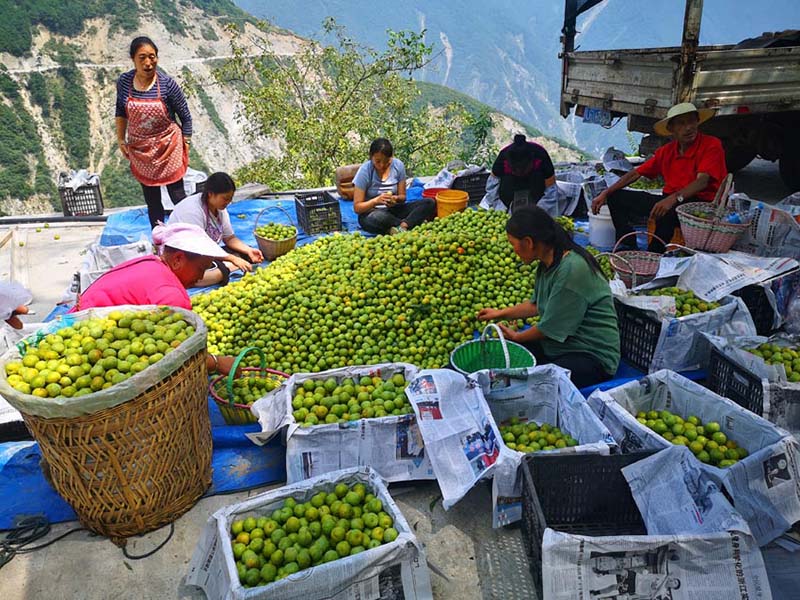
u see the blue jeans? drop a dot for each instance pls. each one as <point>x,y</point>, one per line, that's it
<point>381,220</point>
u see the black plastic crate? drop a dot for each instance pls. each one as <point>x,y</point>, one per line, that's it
<point>474,185</point>
<point>731,380</point>
<point>82,202</point>
<point>638,335</point>
<point>318,212</point>
<point>755,298</point>
<point>582,494</point>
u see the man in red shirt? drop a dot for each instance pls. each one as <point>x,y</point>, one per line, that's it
<point>692,166</point>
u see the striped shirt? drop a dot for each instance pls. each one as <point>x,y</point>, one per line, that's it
<point>171,94</point>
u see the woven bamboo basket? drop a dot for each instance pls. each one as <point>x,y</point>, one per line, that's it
<point>235,413</point>
<point>136,466</point>
<point>702,223</point>
<point>635,267</point>
<point>272,249</point>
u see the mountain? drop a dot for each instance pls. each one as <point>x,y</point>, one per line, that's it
<point>59,62</point>
<point>505,53</point>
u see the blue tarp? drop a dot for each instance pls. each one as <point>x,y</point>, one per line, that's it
<point>238,464</point>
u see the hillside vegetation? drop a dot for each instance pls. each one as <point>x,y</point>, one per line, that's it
<point>59,63</point>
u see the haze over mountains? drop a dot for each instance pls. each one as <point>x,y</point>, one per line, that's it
<point>505,52</point>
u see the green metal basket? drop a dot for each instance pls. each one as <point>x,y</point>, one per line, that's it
<point>486,353</point>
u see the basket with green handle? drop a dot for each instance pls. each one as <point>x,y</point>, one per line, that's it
<point>490,353</point>
<point>273,248</point>
<point>223,388</point>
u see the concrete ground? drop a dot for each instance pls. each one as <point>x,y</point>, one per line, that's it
<point>473,560</point>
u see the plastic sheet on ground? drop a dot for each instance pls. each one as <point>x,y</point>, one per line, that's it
<point>236,463</point>
<point>542,394</point>
<point>390,445</point>
<point>764,486</point>
<point>680,344</point>
<point>724,565</point>
<point>364,575</point>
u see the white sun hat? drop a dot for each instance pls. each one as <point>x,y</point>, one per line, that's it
<point>681,109</point>
<point>187,237</point>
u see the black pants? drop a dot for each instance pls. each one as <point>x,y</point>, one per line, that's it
<point>152,197</point>
<point>626,205</point>
<point>381,220</point>
<point>584,368</point>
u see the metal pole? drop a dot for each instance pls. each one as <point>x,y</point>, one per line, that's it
<point>691,39</point>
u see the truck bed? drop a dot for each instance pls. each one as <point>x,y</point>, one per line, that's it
<point>644,81</point>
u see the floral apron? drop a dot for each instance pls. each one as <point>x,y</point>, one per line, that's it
<point>155,143</point>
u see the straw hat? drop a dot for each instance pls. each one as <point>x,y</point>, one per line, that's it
<point>681,109</point>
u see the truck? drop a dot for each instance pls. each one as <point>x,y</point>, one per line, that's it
<point>754,86</point>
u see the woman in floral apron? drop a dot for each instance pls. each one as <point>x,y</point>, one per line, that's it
<point>148,135</point>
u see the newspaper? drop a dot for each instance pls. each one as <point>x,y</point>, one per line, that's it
<point>765,486</point>
<point>460,434</point>
<point>542,394</point>
<point>680,345</point>
<point>773,230</point>
<point>615,160</point>
<point>781,398</point>
<point>391,445</point>
<point>725,565</point>
<point>714,276</point>
<point>365,576</point>
<point>675,495</point>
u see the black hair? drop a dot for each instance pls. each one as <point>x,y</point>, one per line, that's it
<point>535,223</point>
<point>218,183</point>
<point>519,153</point>
<point>140,41</point>
<point>381,145</point>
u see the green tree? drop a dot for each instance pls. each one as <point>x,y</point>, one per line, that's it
<point>325,103</point>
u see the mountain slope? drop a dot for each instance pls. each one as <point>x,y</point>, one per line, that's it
<point>57,93</point>
<point>506,53</point>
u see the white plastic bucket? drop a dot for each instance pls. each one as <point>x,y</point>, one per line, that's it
<point>602,234</point>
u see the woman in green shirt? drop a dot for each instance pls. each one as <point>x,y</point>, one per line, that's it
<point>577,327</point>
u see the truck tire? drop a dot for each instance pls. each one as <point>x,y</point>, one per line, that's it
<point>790,171</point>
<point>738,157</point>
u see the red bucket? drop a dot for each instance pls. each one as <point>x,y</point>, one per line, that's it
<point>431,192</point>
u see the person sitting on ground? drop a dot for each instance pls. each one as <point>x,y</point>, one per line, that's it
<point>692,166</point>
<point>577,327</point>
<point>527,176</point>
<point>209,211</point>
<point>379,196</point>
<point>185,254</point>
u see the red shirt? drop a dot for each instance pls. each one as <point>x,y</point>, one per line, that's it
<point>705,155</point>
<point>141,280</point>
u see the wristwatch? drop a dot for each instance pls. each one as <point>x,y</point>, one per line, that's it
<point>680,198</point>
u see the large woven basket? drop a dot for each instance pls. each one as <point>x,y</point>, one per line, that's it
<point>703,225</point>
<point>488,353</point>
<point>272,249</point>
<point>136,466</point>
